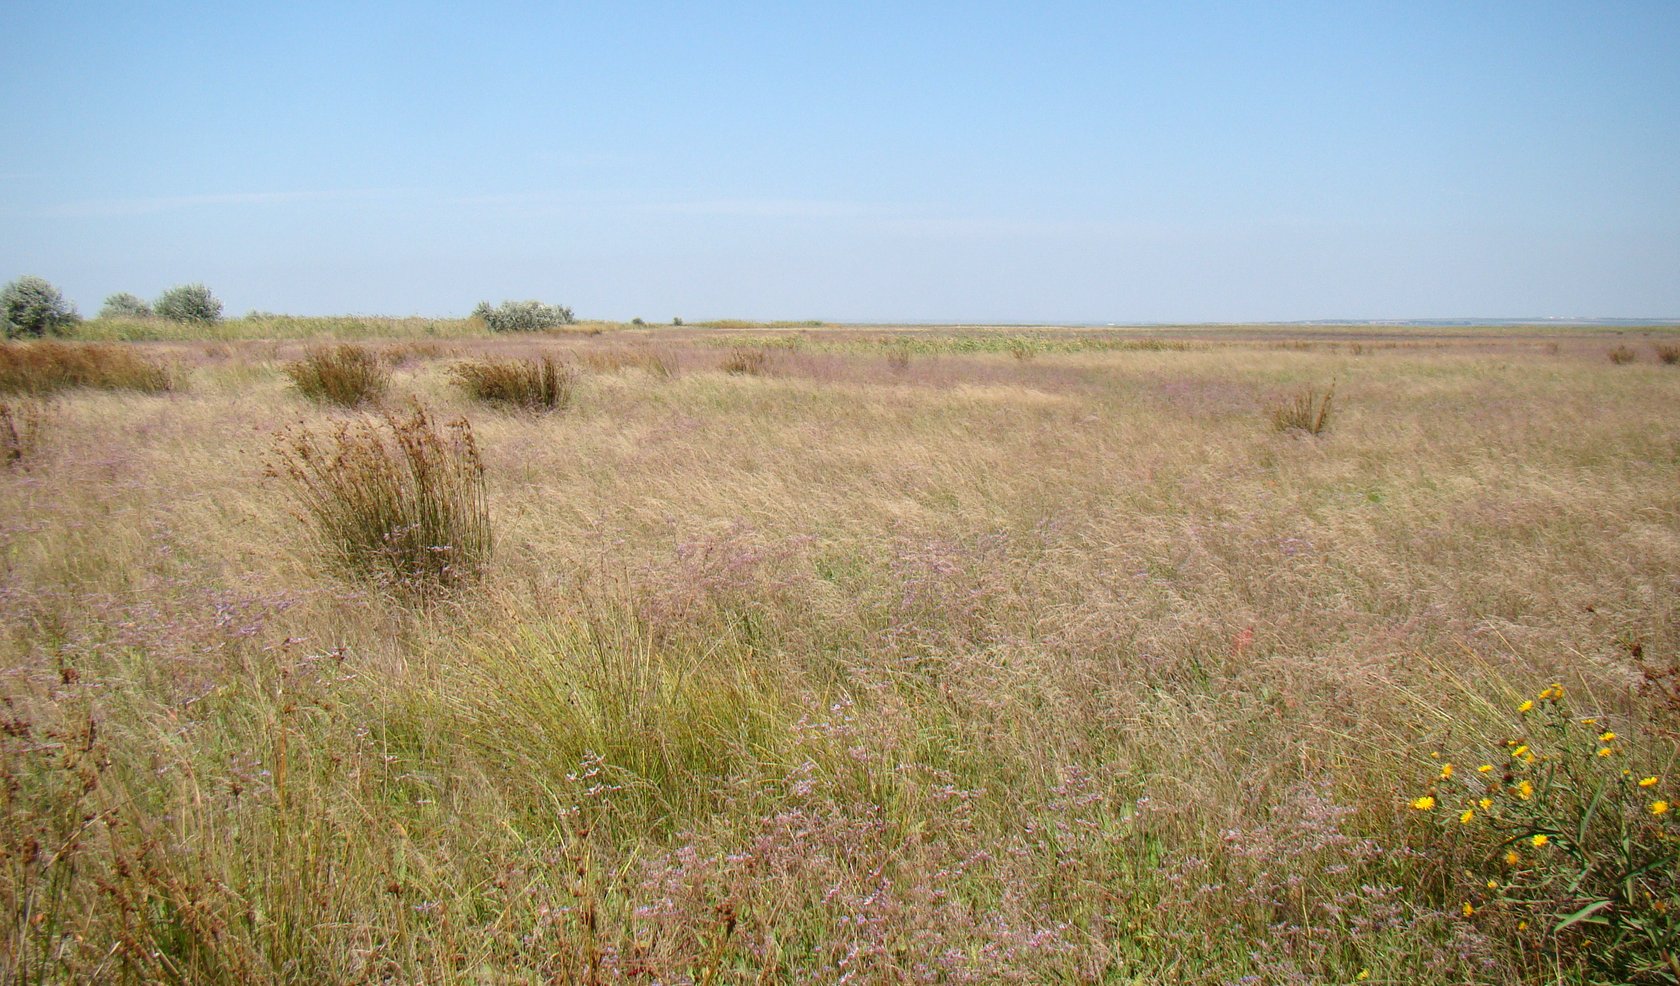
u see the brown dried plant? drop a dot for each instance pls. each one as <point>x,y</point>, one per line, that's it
<point>394,499</point>
<point>346,375</point>
<point>1306,411</point>
<point>530,384</point>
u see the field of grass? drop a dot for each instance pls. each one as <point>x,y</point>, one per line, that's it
<point>893,656</point>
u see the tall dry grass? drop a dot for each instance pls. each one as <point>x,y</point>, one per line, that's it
<point>49,367</point>
<point>1044,671</point>
<point>533,385</point>
<point>1306,411</point>
<point>343,374</point>
<point>396,499</point>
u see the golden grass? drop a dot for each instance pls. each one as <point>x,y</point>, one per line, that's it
<point>344,374</point>
<point>397,500</point>
<point>1061,670</point>
<point>531,385</point>
<point>1307,411</point>
<point>48,367</point>
<point>22,427</point>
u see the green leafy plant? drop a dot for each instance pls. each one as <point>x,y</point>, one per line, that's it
<point>1573,843</point>
<point>346,375</point>
<point>394,499</point>
<point>532,384</point>
<point>31,306</point>
<point>125,305</point>
<point>188,303</point>
<point>522,316</point>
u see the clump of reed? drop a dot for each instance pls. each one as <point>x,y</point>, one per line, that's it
<point>21,426</point>
<point>747,362</point>
<point>49,367</point>
<point>525,384</point>
<point>1667,352</point>
<point>1622,355</point>
<point>1307,411</point>
<point>395,499</point>
<point>347,375</point>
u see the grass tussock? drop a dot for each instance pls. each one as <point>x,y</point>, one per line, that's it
<point>529,384</point>
<point>1307,411</point>
<point>395,499</point>
<point>1622,355</point>
<point>49,367</point>
<point>1668,353</point>
<point>747,362</point>
<point>21,432</point>
<point>347,375</point>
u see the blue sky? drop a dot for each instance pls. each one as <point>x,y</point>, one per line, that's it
<point>1022,162</point>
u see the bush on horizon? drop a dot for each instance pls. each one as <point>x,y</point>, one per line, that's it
<point>31,306</point>
<point>125,305</point>
<point>188,303</point>
<point>522,316</point>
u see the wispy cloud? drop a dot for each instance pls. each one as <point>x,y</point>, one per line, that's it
<point>152,205</point>
<point>774,208</point>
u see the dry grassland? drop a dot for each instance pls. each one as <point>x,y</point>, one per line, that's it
<point>902,658</point>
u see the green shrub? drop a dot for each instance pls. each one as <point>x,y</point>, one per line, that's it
<point>48,367</point>
<point>522,316</point>
<point>125,305</point>
<point>346,375</point>
<point>1306,411</point>
<point>1566,842</point>
<point>393,499</point>
<point>532,384</point>
<point>188,303</point>
<point>31,306</point>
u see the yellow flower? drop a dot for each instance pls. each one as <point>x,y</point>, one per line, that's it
<point>1468,910</point>
<point>1539,840</point>
<point>1527,704</point>
<point>1484,768</point>
<point>1525,790</point>
<point>1590,721</point>
<point>1519,751</point>
<point>1522,925</point>
<point>1364,974</point>
<point>1493,884</point>
<point>1511,857</point>
<point>1659,807</point>
<point>1464,819</point>
<point>1647,782</point>
<point>1606,737</point>
<point>1424,803</point>
<point>1554,693</point>
<point>1485,804</point>
<point>1605,751</point>
<point>1446,771</point>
